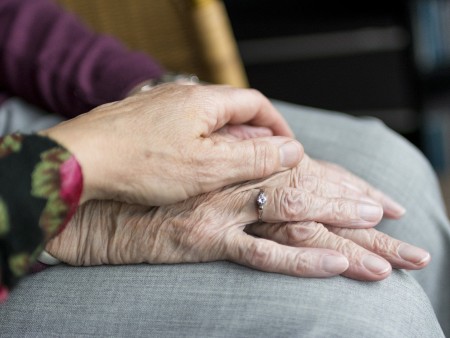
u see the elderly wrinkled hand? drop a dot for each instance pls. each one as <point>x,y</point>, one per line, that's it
<point>223,225</point>
<point>317,190</point>
<point>155,148</point>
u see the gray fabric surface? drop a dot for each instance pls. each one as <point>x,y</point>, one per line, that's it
<point>367,148</point>
<point>226,300</point>
<point>18,116</point>
<point>213,300</point>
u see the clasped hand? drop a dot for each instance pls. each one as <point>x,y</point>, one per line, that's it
<point>223,225</point>
<point>181,150</point>
<point>155,148</point>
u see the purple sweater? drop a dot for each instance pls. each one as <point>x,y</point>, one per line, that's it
<point>48,58</point>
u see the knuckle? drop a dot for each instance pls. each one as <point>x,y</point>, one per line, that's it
<point>346,247</point>
<point>343,210</point>
<point>295,177</point>
<point>258,256</point>
<point>304,233</point>
<point>304,263</point>
<point>293,205</point>
<point>343,244</point>
<point>382,243</point>
<point>265,159</point>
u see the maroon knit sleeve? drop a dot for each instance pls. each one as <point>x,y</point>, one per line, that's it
<point>52,60</point>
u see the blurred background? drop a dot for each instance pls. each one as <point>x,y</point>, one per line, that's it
<point>388,59</point>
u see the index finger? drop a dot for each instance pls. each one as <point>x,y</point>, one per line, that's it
<point>246,106</point>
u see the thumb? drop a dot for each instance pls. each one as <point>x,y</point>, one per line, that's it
<point>256,158</point>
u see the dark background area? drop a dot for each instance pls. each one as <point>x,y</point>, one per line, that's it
<point>362,58</point>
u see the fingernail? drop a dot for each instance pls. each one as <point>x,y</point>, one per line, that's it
<point>290,154</point>
<point>413,254</point>
<point>370,212</point>
<point>334,264</point>
<point>393,206</point>
<point>375,264</point>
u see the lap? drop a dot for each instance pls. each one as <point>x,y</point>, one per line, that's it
<point>223,299</point>
<point>213,300</point>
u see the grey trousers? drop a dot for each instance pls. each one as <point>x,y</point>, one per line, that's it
<point>223,299</point>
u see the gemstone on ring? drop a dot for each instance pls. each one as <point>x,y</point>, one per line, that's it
<point>261,200</point>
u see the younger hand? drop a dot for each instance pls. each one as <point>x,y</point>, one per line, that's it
<point>155,148</point>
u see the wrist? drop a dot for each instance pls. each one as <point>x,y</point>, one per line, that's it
<point>165,78</point>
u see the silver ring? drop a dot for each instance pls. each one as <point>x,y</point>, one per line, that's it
<point>261,201</point>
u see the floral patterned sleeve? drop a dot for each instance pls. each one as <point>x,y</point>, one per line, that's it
<point>40,187</point>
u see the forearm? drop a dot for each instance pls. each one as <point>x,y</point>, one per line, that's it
<point>108,232</point>
<point>50,59</point>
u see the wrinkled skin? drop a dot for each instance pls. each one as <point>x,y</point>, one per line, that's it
<point>318,221</point>
<point>222,225</point>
